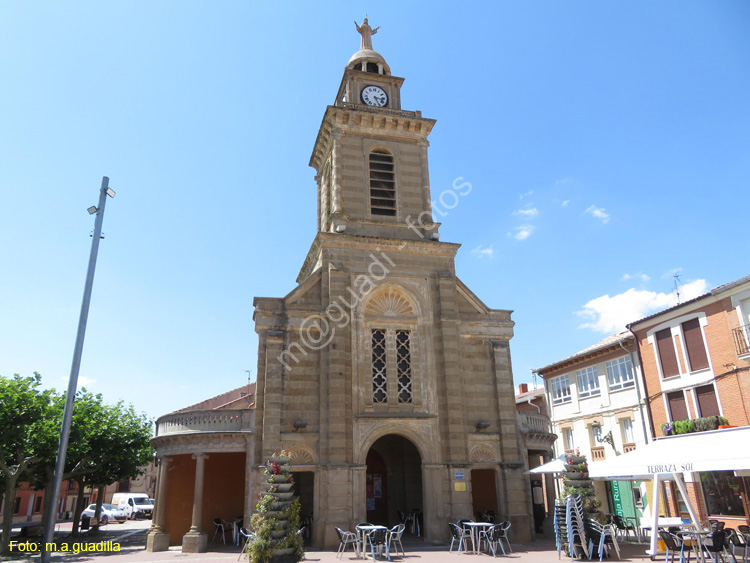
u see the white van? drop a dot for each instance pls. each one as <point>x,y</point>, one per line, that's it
<point>135,505</point>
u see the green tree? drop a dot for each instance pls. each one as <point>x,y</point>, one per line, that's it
<point>107,443</point>
<point>120,449</point>
<point>22,410</point>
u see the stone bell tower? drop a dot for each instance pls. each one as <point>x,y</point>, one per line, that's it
<point>371,156</point>
<point>387,378</point>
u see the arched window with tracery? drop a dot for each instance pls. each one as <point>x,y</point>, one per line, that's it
<point>382,183</point>
<point>391,320</point>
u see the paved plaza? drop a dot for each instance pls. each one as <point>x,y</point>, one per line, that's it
<point>132,538</point>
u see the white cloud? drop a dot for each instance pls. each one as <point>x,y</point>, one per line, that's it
<point>529,212</point>
<point>480,252</point>
<point>563,181</point>
<point>565,203</point>
<point>527,194</point>
<point>599,213</point>
<point>610,314</point>
<point>643,277</point>
<point>82,380</point>
<point>523,232</point>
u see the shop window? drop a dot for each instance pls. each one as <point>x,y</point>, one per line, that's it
<point>723,493</point>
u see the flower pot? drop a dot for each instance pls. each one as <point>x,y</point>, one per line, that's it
<point>575,459</point>
<point>569,475</point>
<point>278,459</point>
<point>278,534</point>
<point>579,483</point>
<point>282,552</point>
<point>281,505</point>
<point>283,487</point>
<point>277,479</point>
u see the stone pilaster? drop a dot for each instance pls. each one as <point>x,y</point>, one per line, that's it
<point>272,400</point>
<point>426,198</point>
<point>339,387</point>
<point>453,425</point>
<point>336,167</point>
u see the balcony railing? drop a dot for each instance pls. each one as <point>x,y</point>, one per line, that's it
<point>628,448</point>
<point>229,420</point>
<point>741,337</point>
<point>534,422</point>
<point>597,453</point>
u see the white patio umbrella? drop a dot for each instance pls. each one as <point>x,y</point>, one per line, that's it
<point>672,456</point>
<point>557,465</point>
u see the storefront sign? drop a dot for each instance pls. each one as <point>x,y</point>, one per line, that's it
<point>670,468</point>
<point>616,498</point>
<point>459,475</point>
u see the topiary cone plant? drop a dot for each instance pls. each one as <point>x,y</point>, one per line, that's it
<point>577,481</point>
<point>275,524</point>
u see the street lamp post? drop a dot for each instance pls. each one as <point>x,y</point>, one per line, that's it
<point>49,524</point>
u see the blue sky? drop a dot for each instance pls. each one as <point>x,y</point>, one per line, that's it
<point>607,144</point>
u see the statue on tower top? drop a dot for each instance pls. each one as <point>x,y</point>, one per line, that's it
<point>366,32</point>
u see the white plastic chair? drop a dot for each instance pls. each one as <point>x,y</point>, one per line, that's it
<point>394,537</point>
<point>346,538</point>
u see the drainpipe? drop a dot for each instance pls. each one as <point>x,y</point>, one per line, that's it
<point>637,386</point>
<point>538,408</point>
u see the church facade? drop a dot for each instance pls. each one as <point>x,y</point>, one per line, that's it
<point>388,380</point>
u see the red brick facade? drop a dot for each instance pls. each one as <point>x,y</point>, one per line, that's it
<point>728,370</point>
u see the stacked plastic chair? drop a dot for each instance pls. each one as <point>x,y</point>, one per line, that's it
<point>603,537</point>
<point>576,528</point>
<point>561,526</point>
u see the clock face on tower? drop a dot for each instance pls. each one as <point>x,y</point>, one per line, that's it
<point>374,96</point>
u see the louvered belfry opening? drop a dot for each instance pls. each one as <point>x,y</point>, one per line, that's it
<point>382,184</point>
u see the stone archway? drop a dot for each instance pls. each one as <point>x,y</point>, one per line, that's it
<point>394,482</point>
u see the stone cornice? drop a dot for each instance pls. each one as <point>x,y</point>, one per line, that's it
<point>372,244</point>
<point>201,442</point>
<point>402,124</point>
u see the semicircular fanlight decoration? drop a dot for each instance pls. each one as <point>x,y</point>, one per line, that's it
<point>482,454</point>
<point>389,303</point>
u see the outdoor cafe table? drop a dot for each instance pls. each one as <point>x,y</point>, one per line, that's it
<point>364,530</point>
<point>697,537</point>
<point>475,529</point>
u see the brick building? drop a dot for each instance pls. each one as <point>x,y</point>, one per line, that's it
<point>597,406</point>
<point>696,361</point>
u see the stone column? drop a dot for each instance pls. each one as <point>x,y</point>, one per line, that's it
<point>196,540</point>
<point>158,537</point>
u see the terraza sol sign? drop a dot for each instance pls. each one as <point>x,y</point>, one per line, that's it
<point>670,468</point>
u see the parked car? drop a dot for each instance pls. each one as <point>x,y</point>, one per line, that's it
<point>135,505</point>
<point>109,512</point>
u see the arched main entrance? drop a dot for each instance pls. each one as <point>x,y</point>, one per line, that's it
<point>394,481</point>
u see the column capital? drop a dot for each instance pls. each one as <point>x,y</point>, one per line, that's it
<point>199,455</point>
